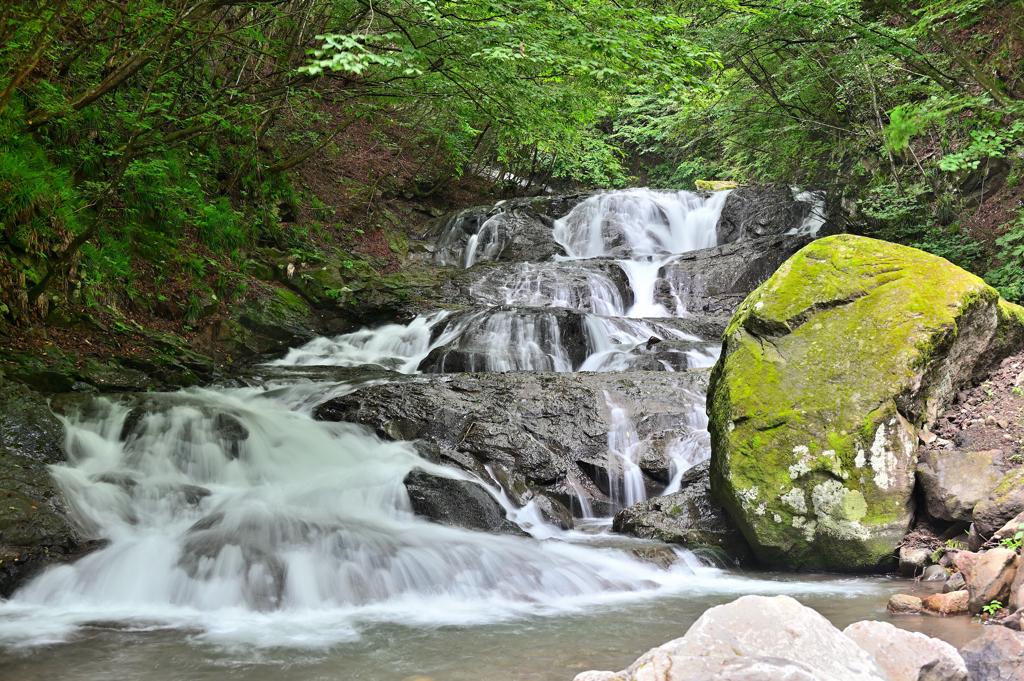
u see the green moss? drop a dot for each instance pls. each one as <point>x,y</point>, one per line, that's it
<point>812,365</point>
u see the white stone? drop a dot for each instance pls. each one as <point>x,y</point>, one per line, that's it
<point>754,638</point>
<point>902,654</point>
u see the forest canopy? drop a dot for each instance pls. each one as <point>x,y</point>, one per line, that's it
<point>125,127</point>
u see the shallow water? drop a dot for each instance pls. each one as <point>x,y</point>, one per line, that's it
<point>535,647</point>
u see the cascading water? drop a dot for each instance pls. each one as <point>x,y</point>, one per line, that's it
<point>627,482</point>
<point>220,504</point>
<point>239,523</point>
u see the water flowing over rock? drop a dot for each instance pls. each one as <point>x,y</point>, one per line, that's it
<point>828,370</point>
<point>690,517</point>
<point>548,430</point>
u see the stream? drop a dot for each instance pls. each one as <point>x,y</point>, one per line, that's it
<point>246,539</point>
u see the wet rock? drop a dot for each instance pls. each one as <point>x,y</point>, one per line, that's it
<point>955,582</point>
<point>519,230</point>
<point>1004,502</point>
<point>662,556</point>
<point>935,573</point>
<point>427,450</point>
<point>814,402</point>
<point>996,655</point>
<point>35,530</point>
<point>267,326</point>
<point>954,603</point>
<point>1011,621</point>
<point>755,637</point>
<point>547,429</point>
<point>715,281</point>
<point>904,604</point>
<point>512,339</point>
<point>595,286</point>
<point>231,432</point>
<point>689,517</point>
<point>759,210</point>
<point>458,503</point>
<point>913,560</point>
<point>906,655</point>
<point>954,482</point>
<point>992,578</point>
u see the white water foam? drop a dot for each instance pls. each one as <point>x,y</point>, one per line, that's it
<point>640,222</point>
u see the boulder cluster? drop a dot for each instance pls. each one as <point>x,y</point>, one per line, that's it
<point>775,639</point>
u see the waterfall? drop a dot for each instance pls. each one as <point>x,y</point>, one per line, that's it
<point>220,504</point>
<point>626,481</point>
<point>640,222</point>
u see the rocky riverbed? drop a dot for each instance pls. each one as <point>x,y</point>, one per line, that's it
<point>551,419</point>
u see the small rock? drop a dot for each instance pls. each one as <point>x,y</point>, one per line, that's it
<point>1002,424</point>
<point>954,583</point>
<point>927,437</point>
<point>935,573</point>
<point>1019,379</point>
<point>904,604</point>
<point>954,603</point>
<point>990,420</point>
<point>908,656</point>
<point>995,655</point>
<point>964,562</point>
<point>992,578</point>
<point>662,556</point>
<point>913,560</point>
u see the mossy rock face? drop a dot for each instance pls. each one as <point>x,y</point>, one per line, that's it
<point>828,370</point>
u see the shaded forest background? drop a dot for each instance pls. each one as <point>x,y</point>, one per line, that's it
<point>162,163</point>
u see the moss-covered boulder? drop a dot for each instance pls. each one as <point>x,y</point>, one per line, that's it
<point>828,370</point>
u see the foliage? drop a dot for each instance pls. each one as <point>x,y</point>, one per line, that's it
<point>1013,543</point>
<point>992,608</point>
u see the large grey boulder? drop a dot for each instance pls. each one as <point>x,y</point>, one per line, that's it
<point>907,655</point>
<point>517,230</point>
<point>754,638</point>
<point>954,482</point>
<point>716,280</point>
<point>690,517</point>
<point>546,430</point>
<point>35,529</point>
<point>996,655</point>
<point>760,210</point>
<point>459,503</point>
